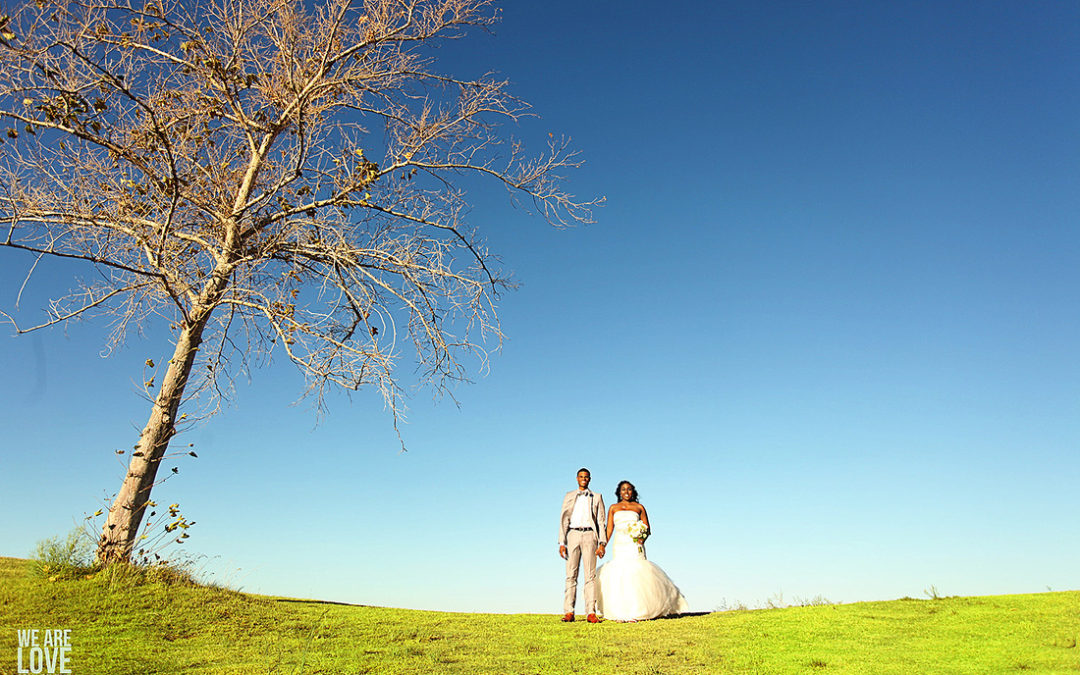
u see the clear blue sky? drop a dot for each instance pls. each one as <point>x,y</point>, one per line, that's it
<point>828,322</point>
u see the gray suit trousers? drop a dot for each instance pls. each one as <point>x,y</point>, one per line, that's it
<point>580,552</point>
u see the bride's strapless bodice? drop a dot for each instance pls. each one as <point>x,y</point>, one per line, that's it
<point>621,544</point>
<point>624,518</point>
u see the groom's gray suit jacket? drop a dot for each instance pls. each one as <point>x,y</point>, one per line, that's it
<point>597,511</point>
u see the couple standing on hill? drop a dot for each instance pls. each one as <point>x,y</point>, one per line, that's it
<point>629,587</point>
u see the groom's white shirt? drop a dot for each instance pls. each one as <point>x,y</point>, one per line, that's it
<point>580,516</point>
<point>596,515</point>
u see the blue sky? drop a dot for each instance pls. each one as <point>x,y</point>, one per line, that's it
<point>827,323</point>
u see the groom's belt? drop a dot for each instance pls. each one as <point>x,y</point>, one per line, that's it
<point>582,529</point>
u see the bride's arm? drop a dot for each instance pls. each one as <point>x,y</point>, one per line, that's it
<point>610,522</point>
<point>645,519</point>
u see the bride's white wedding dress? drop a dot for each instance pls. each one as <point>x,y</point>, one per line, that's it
<point>631,588</point>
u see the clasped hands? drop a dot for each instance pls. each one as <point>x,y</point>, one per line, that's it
<point>599,551</point>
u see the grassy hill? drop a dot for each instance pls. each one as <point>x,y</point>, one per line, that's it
<point>120,626</point>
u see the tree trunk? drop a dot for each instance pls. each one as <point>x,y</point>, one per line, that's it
<point>121,529</point>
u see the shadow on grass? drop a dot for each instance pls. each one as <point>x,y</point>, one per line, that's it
<point>319,602</point>
<point>684,615</point>
<point>669,617</point>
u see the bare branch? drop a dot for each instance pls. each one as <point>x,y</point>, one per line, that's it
<point>93,302</point>
<point>264,176</point>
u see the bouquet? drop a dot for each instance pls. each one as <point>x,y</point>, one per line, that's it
<point>639,532</point>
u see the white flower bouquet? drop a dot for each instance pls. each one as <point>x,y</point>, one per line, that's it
<point>639,532</point>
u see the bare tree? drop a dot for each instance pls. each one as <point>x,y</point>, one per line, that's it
<point>267,178</point>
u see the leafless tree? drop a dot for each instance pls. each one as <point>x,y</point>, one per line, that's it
<point>266,178</point>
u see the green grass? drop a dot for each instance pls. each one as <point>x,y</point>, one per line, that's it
<point>121,624</point>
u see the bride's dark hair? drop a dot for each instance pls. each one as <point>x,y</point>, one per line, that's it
<point>618,489</point>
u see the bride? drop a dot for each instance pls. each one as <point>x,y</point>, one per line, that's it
<point>631,588</point>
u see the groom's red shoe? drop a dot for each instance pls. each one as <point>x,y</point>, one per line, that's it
<point>592,619</point>
<point>569,616</point>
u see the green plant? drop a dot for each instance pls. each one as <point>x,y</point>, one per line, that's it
<point>777,601</point>
<point>171,572</point>
<point>70,557</point>
<point>73,556</point>
<point>735,606</point>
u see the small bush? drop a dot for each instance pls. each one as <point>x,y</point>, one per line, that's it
<point>933,593</point>
<point>179,567</point>
<point>165,572</point>
<point>71,557</point>
<point>777,602</point>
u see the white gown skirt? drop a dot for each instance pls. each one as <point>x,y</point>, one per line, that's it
<point>632,588</point>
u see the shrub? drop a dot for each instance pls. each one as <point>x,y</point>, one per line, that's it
<point>69,557</point>
<point>164,572</point>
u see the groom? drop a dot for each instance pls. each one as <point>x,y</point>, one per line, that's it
<point>582,537</point>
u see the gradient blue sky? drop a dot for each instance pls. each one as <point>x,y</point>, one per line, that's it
<point>828,322</point>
